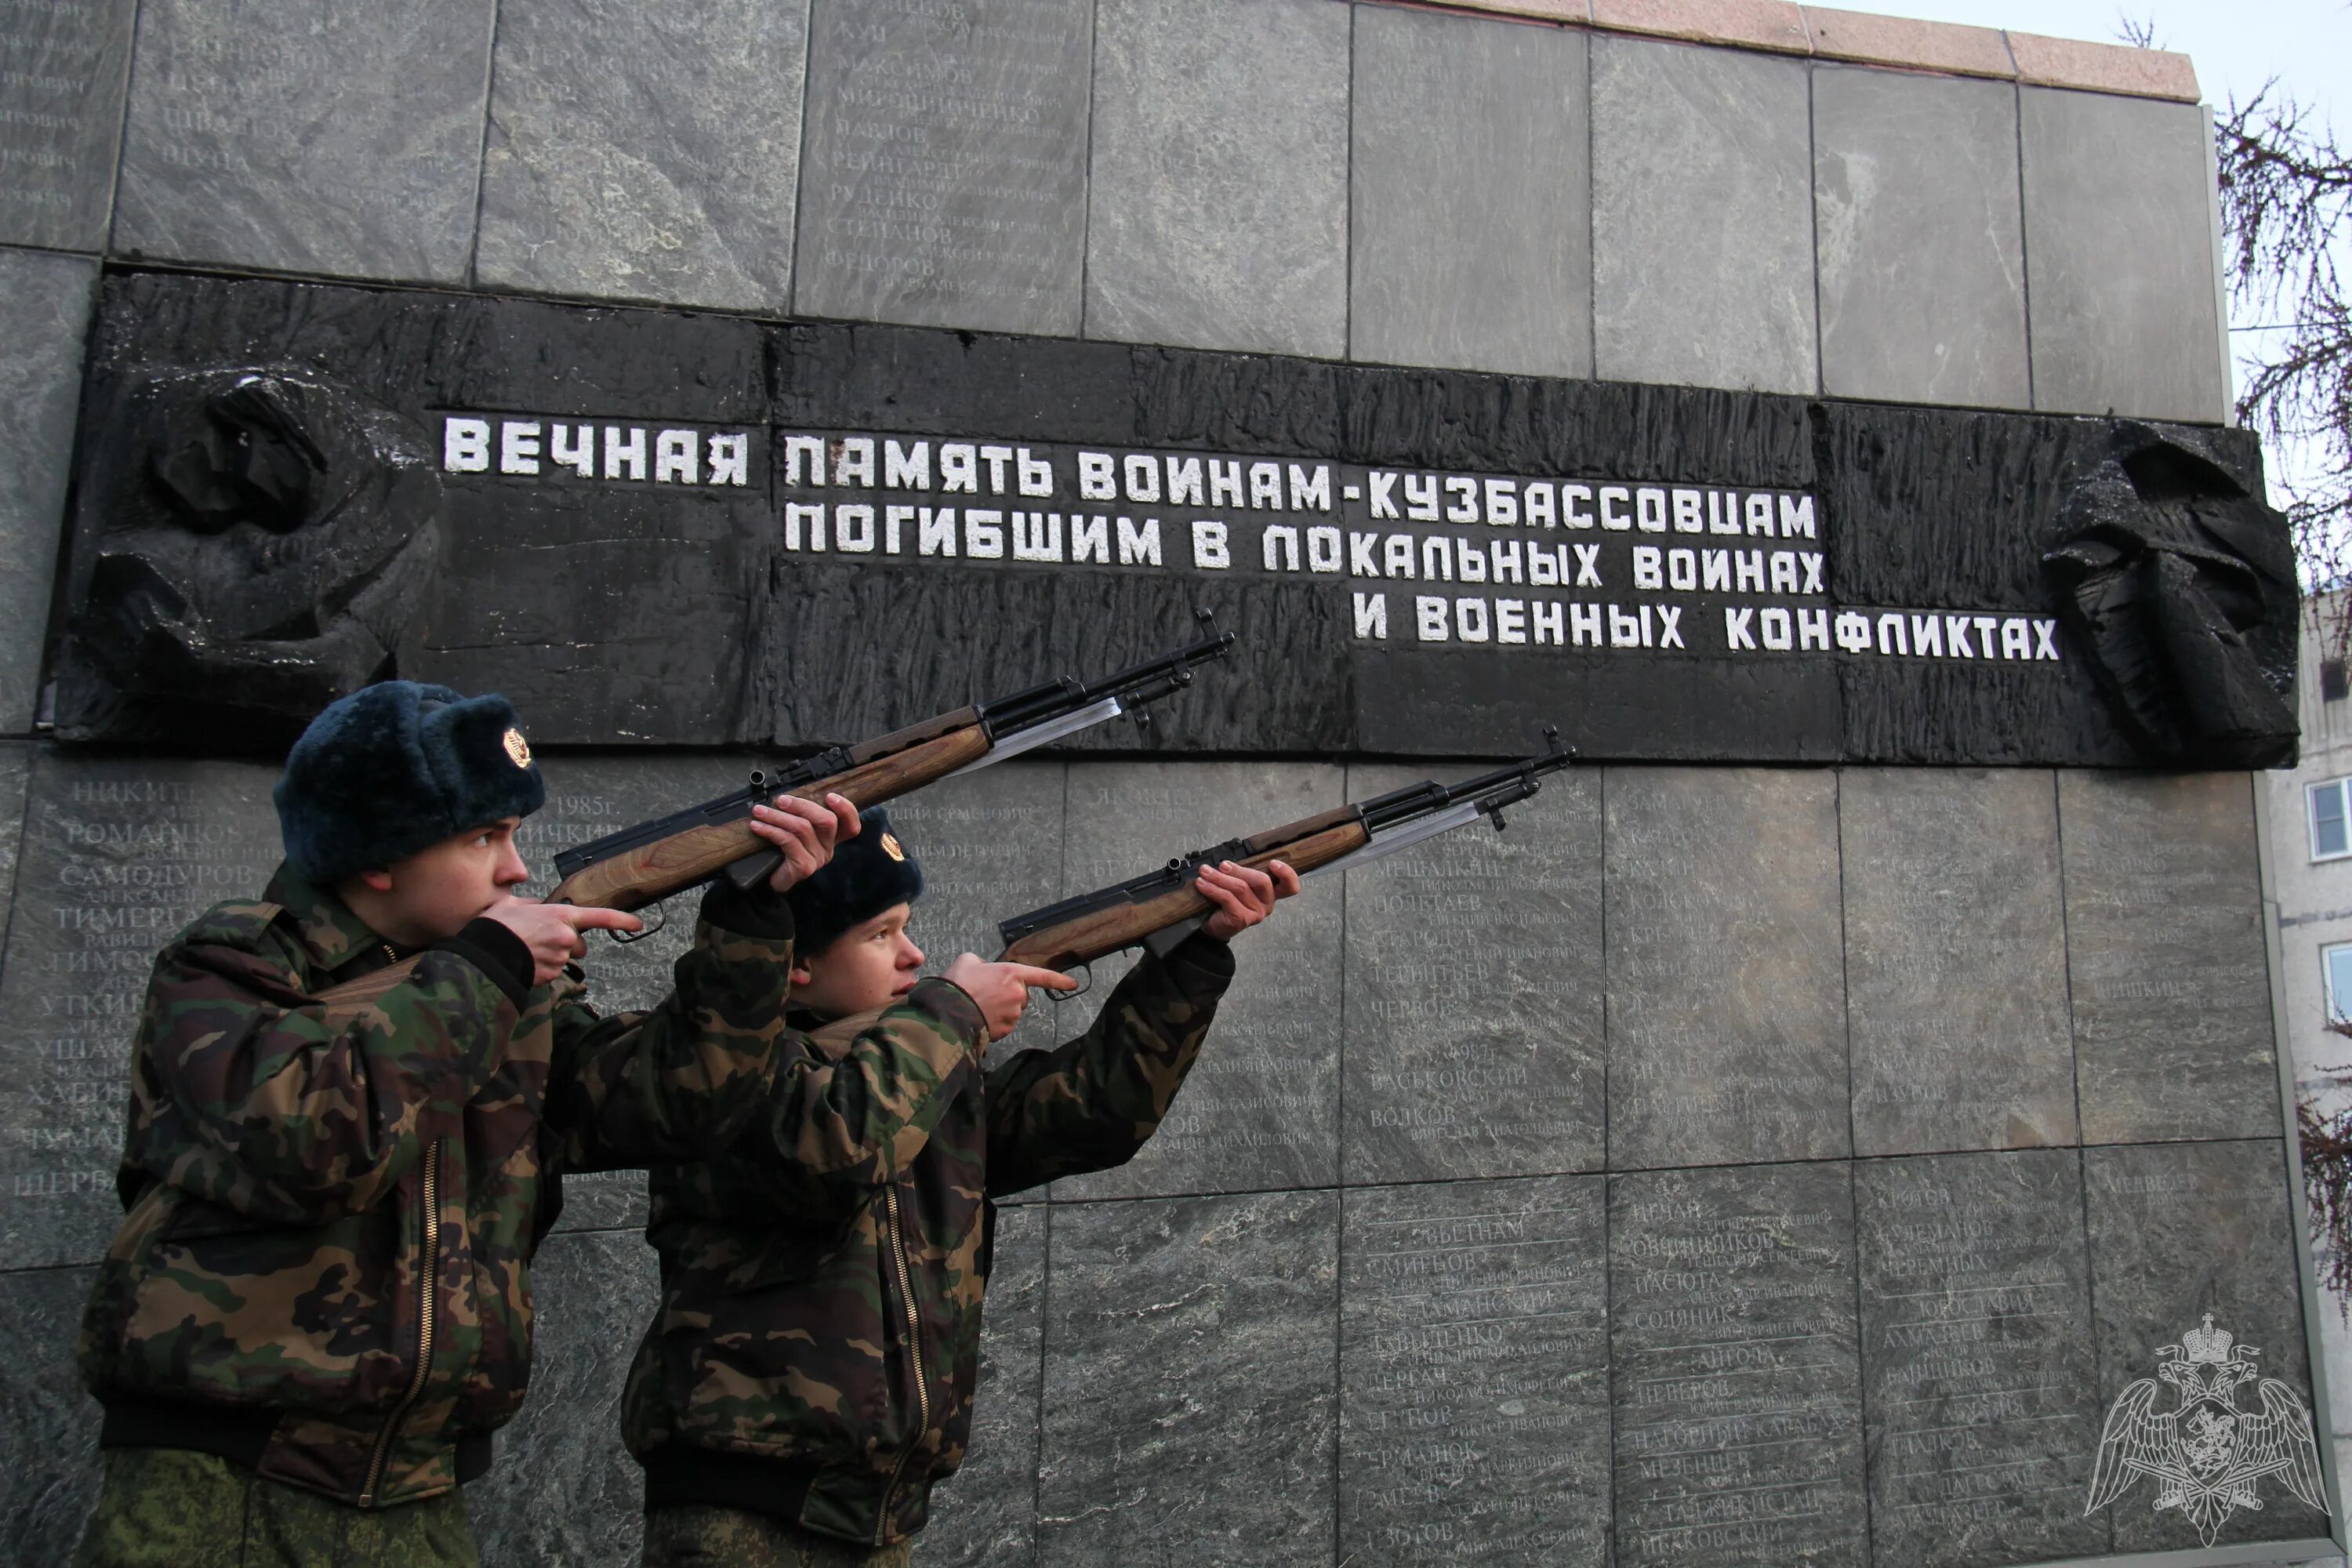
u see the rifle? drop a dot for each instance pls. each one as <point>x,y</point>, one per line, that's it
<point>1162,907</point>
<point>645,863</point>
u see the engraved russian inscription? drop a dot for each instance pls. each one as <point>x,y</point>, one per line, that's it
<point>1733,1368</point>
<point>63,64</point>
<point>1473,994</point>
<point>1473,1371</point>
<point>1981,1387</point>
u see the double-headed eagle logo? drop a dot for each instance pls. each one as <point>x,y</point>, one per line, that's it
<point>2207,1455</point>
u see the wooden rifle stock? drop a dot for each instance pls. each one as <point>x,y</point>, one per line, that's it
<point>1306,845</point>
<point>650,873</point>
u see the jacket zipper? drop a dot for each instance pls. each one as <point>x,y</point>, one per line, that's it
<point>914,1351</point>
<point>426,1277</point>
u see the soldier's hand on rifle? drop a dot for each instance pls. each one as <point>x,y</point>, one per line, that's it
<point>1003,989</point>
<point>555,933</point>
<point>1243,895</point>
<point>805,832</point>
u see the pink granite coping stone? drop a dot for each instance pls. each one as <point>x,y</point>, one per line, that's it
<point>1870,39</point>
<point>2103,68</point>
<point>1775,25</point>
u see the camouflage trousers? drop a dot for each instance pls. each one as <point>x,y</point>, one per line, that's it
<point>733,1538</point>
<point>170,1508</point>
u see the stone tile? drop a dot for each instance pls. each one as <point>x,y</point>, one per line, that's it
<point>1920,238</point>
<point>1726,1007</point>
<point>2119,273</point>
<point>1702,220</point>
<point>306,136</point>
<point>2170,979</point>
<point>986,1516</point>
<point>1260,1109</point>
<point>1471,240</point>
<point>1979,1370</point>
<point>644,153</point>
<point>2103,68</point>
<point>2178,1232</point>
<point>1191,1351</point>
<point>945,181</point>
<point>1733,1367</point>
<point>15,773</point>
<point>40,380</point>
<point>119,854</point>
<point>1219,207</point>
<point>62,75</point>
<point>1761,23</point>
<point>564,1489</point>
<point>1956,960</point>
<point>1473,1373</point>
<point>1903,41</point>
<point>1473,991</point>
<point>48,1426</point>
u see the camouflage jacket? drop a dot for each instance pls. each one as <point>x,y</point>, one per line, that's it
<point>818,1339</point>
<point>340,1159</point>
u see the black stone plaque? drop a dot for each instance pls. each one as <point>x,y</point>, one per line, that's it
<point>665,527</point>
<point>1727,1018</point>
<point>1733,1368</point>
<point>1473,1373</point>
<point>62,74</point>
<point>2187,1239</point>
<point>1979,1369</point>
<point>1261,1106</point>
<point>119,855</point>
<point>985,1516</point>
<point>1190,1362</point>
<point>1473,994</point>
<point>48,1426</point>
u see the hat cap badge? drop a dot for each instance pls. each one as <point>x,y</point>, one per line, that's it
<point>518,748</point>
<point>890,846</point>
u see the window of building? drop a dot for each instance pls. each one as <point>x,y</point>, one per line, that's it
<point>2335,685</point>
<point>2329,837</point>
<point>2336,964</point>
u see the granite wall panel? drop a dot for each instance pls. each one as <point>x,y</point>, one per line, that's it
<point>1920,238</point>
<point>1260,1108</point>
<point>307,136</point>
<point>1726,1007</point>
<point>63,69</point>
<point>15,775</point>
<point>48,1426</point>
<point>1474,1421</point>
<point>48,317</point>
<point>644,153</point>
<point>2169,978</point>
<point>1702,227</point>
<point>2120,256</point>
<point>945,177</point>
<point>1472,977</point>
<point>1470,228</point>
<point>1979,1369</point>
<point>1956,960</point>
<point>1191,1373</point>
<point>985,1517</point>
<point>1218,206</point>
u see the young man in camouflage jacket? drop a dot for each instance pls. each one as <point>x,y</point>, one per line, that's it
<point>351,1101</point>
<point>809,1374</point>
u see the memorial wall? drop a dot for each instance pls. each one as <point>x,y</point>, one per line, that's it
<point>1839,1121</point>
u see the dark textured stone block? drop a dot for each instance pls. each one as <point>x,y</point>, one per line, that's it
<point>2164,941</point>
<point>1978,1363</point>
<point>119,855</point>
<point>829,376</point>
<point>16,772</point>
<point>282,134</point>
<point>1474,1370</point>
<point>1956,961</point>
<point>1726,1004</point>
<point>1733,1367</point>
<point>564,1489</point>
<point>640,153</point>
<point>1191,1361</point>
<point>1260,1108</point>
<point>40,369</point>
<point>63,70</point>
<point>48,1426</point>
<point>943,176</point>
<point>1474,995</point>
<point>2178,1233</point>
<point>986,1516</point>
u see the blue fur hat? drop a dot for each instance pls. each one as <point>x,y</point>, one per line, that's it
<point>396,768</point>
<point>867,875</point>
